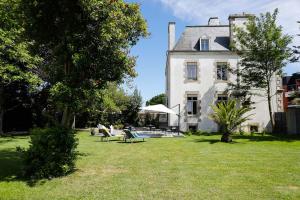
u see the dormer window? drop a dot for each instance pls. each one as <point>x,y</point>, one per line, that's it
<point>204,44</point>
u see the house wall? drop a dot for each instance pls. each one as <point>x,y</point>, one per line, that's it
<point>206,89</point>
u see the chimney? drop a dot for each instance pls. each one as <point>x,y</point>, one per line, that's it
<point>213,21</point>
<point>237,20</point>
<point>171,39</point>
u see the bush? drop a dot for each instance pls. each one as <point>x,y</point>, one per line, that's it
<point>51,153</point>
<point>93,131</point>
<point>196,132</point>
<point>188,133</point>
<point>119,126</point>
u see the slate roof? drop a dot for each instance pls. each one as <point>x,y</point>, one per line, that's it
<point>218,35</point>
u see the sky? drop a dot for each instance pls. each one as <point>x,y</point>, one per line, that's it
<point>151,51</point>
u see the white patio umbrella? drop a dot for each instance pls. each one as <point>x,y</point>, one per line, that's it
<point>159,108</point>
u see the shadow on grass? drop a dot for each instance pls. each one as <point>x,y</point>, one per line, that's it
<point>214,141</point>
<point>10,165</point>
<point>3,141</point>
<point>253,138</point>
<point>11,168</point>
<point>104,141</point>
<point>6,139</point>
<point>264,138</point>
<point>129,142</point>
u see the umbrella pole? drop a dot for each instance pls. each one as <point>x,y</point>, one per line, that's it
<point>178,115</point>
<point>178,119</point>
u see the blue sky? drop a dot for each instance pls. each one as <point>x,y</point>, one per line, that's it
<point>151,51</point>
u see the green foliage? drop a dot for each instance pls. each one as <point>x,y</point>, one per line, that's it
<point>106,106</point>
<point>264,52</point>
<point>196,132</point>
<point>296,51</point>
<point>150,118</point>
<point>17,64</point>
<point>111,106</point>
<point>228,116</point>
<point>158,99</point>
<point>51,153</point>
<point>133,107</point>
<point>189,133</point>
<point>263,49</point>
<point>85,45</point>
<point>240,90</point>
<point>114,99</point>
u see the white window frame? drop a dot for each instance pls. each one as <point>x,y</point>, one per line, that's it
<point>194,75</point>
<point>222,64</point>
<point>190,105</point>
<point>201,49</point>
<point>223,96</point>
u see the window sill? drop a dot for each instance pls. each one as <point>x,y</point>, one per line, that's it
<point>222,81</point>
<point>191,81</point>
<point>194,115</point>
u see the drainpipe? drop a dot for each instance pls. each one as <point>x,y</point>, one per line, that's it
<point>178,119</point>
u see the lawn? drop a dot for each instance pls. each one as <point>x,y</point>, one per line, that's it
<point>195,167</point>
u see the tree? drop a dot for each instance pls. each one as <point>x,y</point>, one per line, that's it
<point>158,99</point>
<point>105,106</point>
<point>228,115</point>
<point>296,51</point>
<point>264,52</point>
<point>133,107</point>
<point>84,44</point>
<point>17,65</point>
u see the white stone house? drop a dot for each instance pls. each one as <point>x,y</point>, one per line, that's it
<point>197,76</point>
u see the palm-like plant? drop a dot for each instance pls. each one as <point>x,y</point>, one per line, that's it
<point>229,116</point>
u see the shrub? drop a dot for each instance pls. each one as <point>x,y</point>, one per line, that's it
<point>195,132</point>
<point>118,126</point>
<point>93,131</point>
<point>51,153</point>
<point>188,133</point>
<point>228,115</point>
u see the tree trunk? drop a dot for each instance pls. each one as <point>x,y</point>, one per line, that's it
<point>1,110</point>
<point>270,108</point>
<point>1,121</point>
<point>226,138</point>
<point>67,118</point>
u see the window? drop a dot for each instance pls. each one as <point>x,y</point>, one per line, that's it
<point>192,105</point>
<point>222,71</point>
<point>204,45</point>
<point>192,127</point>
<point>192,71</point>
<point>253,129</point>
<point>222,98</point>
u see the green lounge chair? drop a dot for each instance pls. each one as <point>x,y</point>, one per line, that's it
<point>132,136</point>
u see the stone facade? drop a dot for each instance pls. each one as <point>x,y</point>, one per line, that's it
<point>207,87</point>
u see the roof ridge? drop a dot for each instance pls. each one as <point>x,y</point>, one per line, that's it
<point>195,26</point>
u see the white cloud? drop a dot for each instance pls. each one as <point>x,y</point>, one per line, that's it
<point>198,11</point>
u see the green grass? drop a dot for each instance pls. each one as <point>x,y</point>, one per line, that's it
<point>195,167</point>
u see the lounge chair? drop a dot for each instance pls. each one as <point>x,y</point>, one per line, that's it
<point>129,135</point>
<point>106,134</point>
